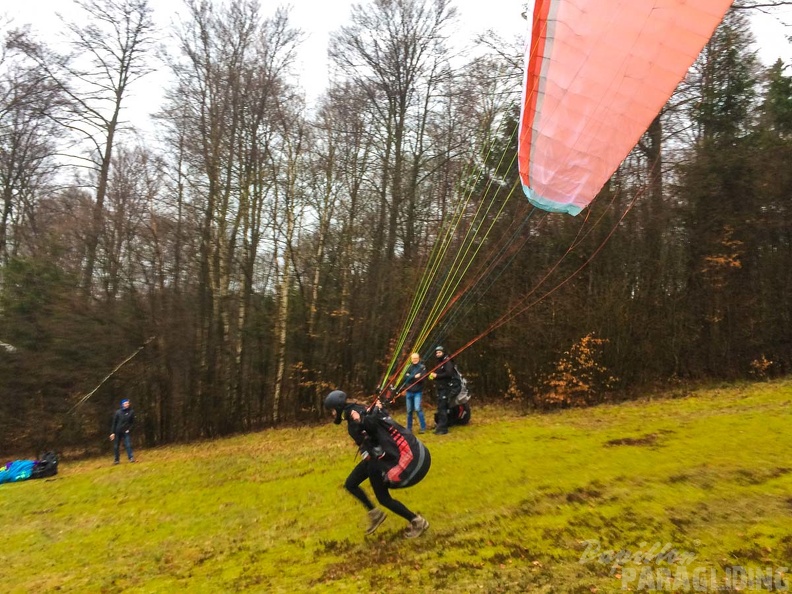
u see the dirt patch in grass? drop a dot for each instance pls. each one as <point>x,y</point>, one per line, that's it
<point>587,494</point>
<point>649,439</point>
<point>758,476</point>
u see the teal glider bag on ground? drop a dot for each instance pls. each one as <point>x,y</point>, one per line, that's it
<point>21,470</point>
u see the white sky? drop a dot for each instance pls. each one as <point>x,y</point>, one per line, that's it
<point>320,17</point>
<point>317,18</point>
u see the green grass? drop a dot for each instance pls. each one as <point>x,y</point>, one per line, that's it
<point>513,501</point>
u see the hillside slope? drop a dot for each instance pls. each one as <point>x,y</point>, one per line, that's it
<point>516,503</point>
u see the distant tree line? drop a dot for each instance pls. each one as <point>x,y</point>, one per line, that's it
<point>263,252</point>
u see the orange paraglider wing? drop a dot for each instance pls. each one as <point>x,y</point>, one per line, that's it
<point>597,74</point>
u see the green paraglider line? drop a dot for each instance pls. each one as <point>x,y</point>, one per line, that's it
<point>505,255</point>
<point>521,307</point>
<point>437,257</point>
<point>445,299</point>
<point>449,294</point>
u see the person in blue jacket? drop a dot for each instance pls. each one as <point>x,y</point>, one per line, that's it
<point>123,419</point>
<point>414,378</point>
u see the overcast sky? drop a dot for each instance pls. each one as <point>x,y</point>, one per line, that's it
<point>317,18</point>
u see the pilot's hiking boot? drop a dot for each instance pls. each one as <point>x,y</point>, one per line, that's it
<point>376,517</point>
<point>417,527</point>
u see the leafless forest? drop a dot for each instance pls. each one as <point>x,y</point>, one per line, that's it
<point>263,251</point>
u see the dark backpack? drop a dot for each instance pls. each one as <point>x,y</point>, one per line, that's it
<point>47,466</point>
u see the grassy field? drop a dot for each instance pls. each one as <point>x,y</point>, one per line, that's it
<point>635,496</point>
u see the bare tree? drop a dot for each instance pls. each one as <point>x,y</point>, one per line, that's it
<point>231,77</point>
<point>396,51</point>
<point>108,42</point>
<point>27,148</point>
<point>287,210</point>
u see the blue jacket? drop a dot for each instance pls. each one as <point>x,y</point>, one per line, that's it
<point>123,419</point>
<point>415,371</point>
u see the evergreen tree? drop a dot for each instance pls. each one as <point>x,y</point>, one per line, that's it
<point>718,191</point>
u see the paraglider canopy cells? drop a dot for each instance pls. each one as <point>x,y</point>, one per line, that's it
<point>593,86</point>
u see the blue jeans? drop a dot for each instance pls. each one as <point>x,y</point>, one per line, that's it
<point>413,400</point>
<point>127,445</point>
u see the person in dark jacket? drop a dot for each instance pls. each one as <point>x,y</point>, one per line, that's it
<point>445,380</point>
<point>414,378</point>
<point>123,419</point>
<point>392,458</point>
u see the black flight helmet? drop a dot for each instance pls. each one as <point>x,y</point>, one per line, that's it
<point>336,400</point>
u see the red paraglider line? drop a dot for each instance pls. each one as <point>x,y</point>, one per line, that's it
<point>504,253</point>
<point>538,40</point>
<point>518,308</point>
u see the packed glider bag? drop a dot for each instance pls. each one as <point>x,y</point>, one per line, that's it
<point>402,458</point>
<point>458,414</point>
<point>21,470</point>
